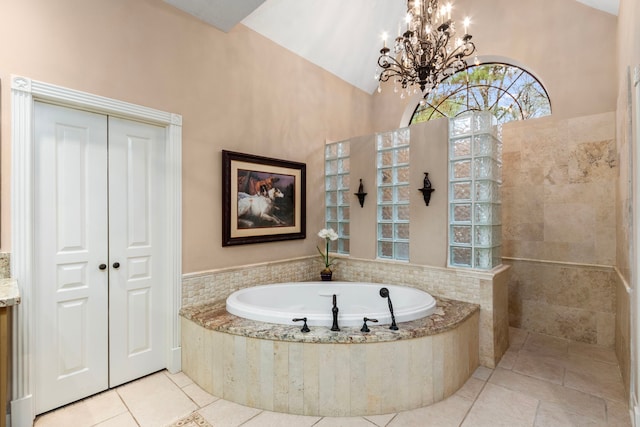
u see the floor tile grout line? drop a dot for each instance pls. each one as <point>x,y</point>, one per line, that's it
<point>370,422</point>
<point>246,421</point>
<point>535,416</point>
<point>127,406</point>
<point>116,416</point>
<point>198,407</point>
<point>475,399</point>
<point>392,418</point>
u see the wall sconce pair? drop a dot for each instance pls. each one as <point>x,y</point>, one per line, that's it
<point>426,191</point>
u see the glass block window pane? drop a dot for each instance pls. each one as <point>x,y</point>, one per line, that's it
<point>462,169</point>
<point>460,256</point>
<point>461,190</point>
<point>385,213</point>
<point>331,213</point>
<point>393,194</point>
<point>461,212</point>
<point>402,232</point>
<point>385,231</point>
<point>460,147</point>
<point>402,213</point>
<point>385,250</point>
<point>461,234</point>
<point>336,171</point>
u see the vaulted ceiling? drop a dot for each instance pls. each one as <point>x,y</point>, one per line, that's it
<point>310,28</point>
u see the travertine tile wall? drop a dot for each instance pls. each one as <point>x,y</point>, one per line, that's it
<point>559,225</point>
<point>576,302</point>
<point>487,288</point>
<point>216,285</point>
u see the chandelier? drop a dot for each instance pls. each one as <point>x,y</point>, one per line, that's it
<point>427,52</point>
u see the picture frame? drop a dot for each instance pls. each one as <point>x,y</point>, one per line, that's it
<point>263,199</point>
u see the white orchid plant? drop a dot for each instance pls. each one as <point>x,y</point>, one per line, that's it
<point>328,234</point>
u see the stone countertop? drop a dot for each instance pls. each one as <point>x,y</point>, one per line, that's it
<point>449,313</point>
<point>9,293</point>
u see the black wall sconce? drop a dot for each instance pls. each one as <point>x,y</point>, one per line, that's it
<point>360,194</point>
<point>426,189</point>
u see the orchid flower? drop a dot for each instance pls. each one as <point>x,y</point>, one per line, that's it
<point>328,234</point>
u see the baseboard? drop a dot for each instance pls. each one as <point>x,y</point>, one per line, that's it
<point>174,361</point>
<point>22,412</point>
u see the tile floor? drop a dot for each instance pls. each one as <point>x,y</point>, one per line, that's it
<point>541,381</point>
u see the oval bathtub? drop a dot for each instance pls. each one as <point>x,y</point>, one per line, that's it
<point>280,303</point>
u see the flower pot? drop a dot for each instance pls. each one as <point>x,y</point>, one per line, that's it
<point>325,275</point>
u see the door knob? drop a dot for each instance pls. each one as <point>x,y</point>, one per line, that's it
<point>102,266</point>
<point>116,265</point>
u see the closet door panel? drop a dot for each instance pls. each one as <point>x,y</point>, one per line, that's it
<point>70,236</point>
<point>136,221</point>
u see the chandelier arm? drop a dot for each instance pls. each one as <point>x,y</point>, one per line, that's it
<point>407,48</point>
<point>391,67</point>
<point>390,63</point>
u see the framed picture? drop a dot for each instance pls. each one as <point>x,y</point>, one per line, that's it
<point>263,199</point>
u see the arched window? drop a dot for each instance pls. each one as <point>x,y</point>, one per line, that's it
<point>509,92</point>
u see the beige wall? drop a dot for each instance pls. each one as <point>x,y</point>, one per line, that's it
<point>235,91</point>
<point>568,46</point>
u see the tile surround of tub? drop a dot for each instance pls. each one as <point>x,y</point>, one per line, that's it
<point>486,288</point>
<point>331,379</point>
<point>217,285</point>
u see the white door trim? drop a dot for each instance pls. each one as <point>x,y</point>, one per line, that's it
<point>24,92</point>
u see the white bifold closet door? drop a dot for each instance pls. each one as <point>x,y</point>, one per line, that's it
<point>99,258</point>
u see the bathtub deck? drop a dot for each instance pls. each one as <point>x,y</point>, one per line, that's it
<point>449,313</point>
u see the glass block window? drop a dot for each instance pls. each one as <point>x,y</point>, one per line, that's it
<point>393,194</point>
<point>336,171</point>
<point>475,176</point>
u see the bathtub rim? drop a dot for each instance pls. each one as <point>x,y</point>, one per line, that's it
<point>244,310</point>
